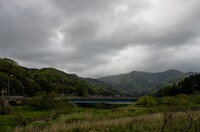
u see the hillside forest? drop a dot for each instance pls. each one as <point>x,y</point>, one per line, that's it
<point>16,80</point>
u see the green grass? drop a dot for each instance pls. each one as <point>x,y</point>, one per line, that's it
<point>126,118</point>
<point>24,116</point>
<point>6,122</point>
<point>21,116</point>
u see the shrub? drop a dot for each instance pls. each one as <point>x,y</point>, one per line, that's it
<point>146,101</point>
<point>49,101</point>
<point>43,102</point>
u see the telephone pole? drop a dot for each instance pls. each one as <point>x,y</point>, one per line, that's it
<point>9,84</point>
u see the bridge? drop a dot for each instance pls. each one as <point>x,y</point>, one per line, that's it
<point>106,100</point>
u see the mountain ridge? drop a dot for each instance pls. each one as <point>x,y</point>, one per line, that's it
<point>28,81</point>
<point>139,83</point>
<point>24,81</point>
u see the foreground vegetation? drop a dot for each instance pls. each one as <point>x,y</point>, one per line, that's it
<point>116,120</point>
<point>178,113</point>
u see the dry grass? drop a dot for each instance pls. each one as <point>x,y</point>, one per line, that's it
<point>101,124</point>
<point>147,122</point>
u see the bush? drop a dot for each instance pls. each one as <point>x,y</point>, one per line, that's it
<point>146,101</point>
<point>43,102</point>
<point>177,101</point>
<point>49,101</point>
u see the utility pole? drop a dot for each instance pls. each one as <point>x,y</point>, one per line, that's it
<point>9,84</point>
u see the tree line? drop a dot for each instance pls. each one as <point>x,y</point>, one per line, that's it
<point>188,85</point>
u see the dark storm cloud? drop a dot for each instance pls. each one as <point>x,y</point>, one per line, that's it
<point>101,37</point>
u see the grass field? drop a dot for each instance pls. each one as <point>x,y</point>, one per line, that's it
<point>148,114</point>
<point>103,118</point>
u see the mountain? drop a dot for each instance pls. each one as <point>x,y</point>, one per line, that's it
<point>24,81</point>
<point>140,83</point>
<point>107,87</point>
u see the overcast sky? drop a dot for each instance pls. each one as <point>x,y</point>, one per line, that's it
<point>95,38</point>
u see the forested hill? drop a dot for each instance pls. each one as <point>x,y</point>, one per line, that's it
<point>28,82</point>
<point>140,83</point>
<point>188,85</point>
<point>108,87</point>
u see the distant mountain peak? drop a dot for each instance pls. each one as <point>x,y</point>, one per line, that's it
<point>139,83</point>
<point>173,70</point>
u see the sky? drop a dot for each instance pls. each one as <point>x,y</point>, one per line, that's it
<point>96,38</point>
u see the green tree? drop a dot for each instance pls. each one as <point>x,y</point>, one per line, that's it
<point>81,89</point>
<point>44,101</point>
<point>146,101</point>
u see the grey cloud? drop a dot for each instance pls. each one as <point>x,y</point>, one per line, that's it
<point>100,37</point>
<point>80,30</point>
<point>75,8</point>
<point>25,27</point>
